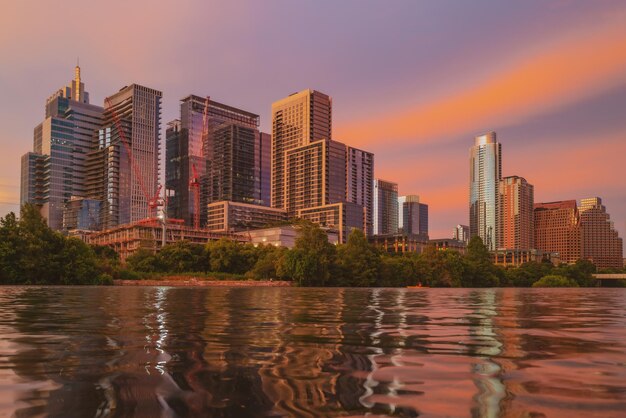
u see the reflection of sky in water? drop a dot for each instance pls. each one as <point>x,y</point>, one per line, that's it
<point>312,352</point>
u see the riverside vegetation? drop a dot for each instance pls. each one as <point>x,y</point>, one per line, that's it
<point>32,253</point>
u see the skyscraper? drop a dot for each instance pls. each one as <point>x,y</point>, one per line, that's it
<point>600,242</point>
<point>56,170</point>
<point>385,207</point>
<point>360,183</point>
<point>412,216</point>
<point>315,175</point>
<point>223,149</point>
<point>485,175</point>
<point>297,120</point>
<point>124,176</point>
<point>557,229</point>
<point>517,219</point>
<point>263,159</point>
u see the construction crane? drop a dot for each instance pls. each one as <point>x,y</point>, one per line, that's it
<point>153,202</point>
<point>194,181</point>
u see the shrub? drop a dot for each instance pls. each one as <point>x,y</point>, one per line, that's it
<point>555,281</point>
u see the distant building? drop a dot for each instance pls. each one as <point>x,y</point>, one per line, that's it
<point>315,175</point>
<point>125,176</point>
<point>557,229</point>
<point>342,217</point>
<point>224,147</point>
<point>81,214</point>
<point>449,244</point>
<point>283,236</point>
<point>56,169</point>
<point>360,183</point>
<point>412,216</point>
<point>385,207</point>
<point>400,243</point>
<point>517,230</point>
<point>485,175</point>
<point>263,158</point>
<point>600,241</point>
<point>461,233</point>
<point>228,216</point>
<point>297,121</point>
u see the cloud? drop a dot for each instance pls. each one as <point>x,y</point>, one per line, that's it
<point>563,71</point>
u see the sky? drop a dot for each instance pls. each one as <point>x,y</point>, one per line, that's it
<point>412,81</point>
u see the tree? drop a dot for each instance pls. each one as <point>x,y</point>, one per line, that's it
<point>310,262</point>
<point>555,281</point>
<point>395,271</point>
<point>357,262</point>
<point>143,260</point>
<point>479,271</point>
<point>182,256</point>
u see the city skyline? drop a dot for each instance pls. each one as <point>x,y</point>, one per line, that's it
<point>569,127</point>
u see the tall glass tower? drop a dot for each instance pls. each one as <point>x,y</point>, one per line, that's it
<point>485,175</point>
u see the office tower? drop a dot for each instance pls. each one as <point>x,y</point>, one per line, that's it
<point>226,216</point>
<point>385,207</point>
<point>600,242</point>
<point>461,233</point>
<point>517,218</point>
<point>557,229</point>
<point>342,217</point>
<point>297,120</point>
<point>56,170</point>
<point>315,175</point>
<point>263,156</point>
<point>124,176</point>
<point>360,183</point>
<point>485,175</point>
<point>221,148</point>
<point>81,214</point>
<point>412,216</point>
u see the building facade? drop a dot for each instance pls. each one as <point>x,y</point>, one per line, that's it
<point>485,175</point>
<point>517,219</point>
<point>557,229</point>
<point>228,216</point>
<point>360,183</point>
<point>342,217</point>
<point>600,242</point>
<point>297,120</point>
<point>56,169</point>
<point>218,145</point>
<point>263,157</point>
<point>412,216</point>
<point>385,207</point>
<point>461,233</point>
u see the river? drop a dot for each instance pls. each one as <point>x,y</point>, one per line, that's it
<point>282,352</point>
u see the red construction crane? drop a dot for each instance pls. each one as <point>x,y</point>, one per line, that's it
<point>153,202</point>
<point>194,181</point>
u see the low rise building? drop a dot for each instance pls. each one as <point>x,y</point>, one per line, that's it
<point>282,236</point>
<point>400,243</point>
<point>226,216</point>
<point>343,217</point>
<point>449,244</point>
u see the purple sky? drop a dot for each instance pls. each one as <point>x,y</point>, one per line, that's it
<point>412,81</point>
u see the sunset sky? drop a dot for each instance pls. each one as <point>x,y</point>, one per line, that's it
<point>412,81</point>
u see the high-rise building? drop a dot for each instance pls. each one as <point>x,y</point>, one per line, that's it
<point>600,242</point>
<point>412,216</point>
<point>385,207</point>
<point>315,175</point>
<point>557,229</point>
<point>124,176</point>
<point>56,170</point>
<point>342,217</point>
<point>461,233</point>
<point>297,120</point>
<point>360,183</point>
<point>485,175</point>
<point>222,148</point>
<point>517,218</point>
<point>263,159</point>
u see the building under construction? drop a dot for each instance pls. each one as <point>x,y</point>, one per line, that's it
<point>148,234</point>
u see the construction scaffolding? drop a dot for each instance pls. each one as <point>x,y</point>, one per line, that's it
<point>148,234</point>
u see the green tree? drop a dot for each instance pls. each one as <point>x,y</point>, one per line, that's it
<point>479,270</point>
<point>312,259</point>
<point>395,271</point>
<point>143,260</point>
<point>182,256</point>
<point>358,261</point>
<point>555,281</point>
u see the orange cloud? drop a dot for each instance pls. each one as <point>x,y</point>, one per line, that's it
<point>566,70</point>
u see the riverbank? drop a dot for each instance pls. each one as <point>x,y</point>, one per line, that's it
<point>182,281</point>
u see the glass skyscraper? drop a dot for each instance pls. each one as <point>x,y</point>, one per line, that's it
<point>485,176</point>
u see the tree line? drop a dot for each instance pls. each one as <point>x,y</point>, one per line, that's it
<point>32,253</point>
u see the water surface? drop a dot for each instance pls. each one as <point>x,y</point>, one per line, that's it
<point>282,352</point>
